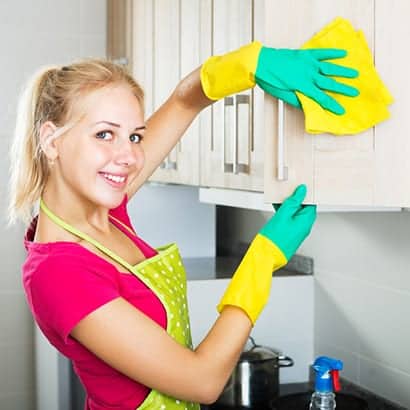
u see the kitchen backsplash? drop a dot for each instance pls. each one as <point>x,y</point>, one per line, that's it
<point>361,292</point>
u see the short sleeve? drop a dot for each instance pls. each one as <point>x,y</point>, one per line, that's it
<point>65,289</point>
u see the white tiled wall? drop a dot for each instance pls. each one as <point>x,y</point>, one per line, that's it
<point>32,33</point>
<point>362,298</point>
<point>362,294</point>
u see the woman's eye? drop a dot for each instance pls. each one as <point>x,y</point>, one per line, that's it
<point>104,135</point>
<point>136,138</point>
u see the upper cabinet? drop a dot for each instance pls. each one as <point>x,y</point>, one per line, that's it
<point>368,169</point>
<point>119,31</point>
<point>232,136</point>
<point>337,170</point>
<point>252,142</point>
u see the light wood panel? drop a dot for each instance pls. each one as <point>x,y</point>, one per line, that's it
<point>119,31</point>
<point>392,144</point>
<point>337,170</point>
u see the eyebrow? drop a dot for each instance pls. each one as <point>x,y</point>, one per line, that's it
<point>141,127</point>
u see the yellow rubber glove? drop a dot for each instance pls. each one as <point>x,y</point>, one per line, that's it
<point>271,249</point>
<point>250,285</point>
<point>230,73</point>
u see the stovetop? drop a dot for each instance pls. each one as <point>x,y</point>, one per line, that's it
<point>374,401</point>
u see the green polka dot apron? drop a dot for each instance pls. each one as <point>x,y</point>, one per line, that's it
<point>165,275</point>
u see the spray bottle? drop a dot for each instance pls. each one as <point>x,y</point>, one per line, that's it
<point>326,382</point>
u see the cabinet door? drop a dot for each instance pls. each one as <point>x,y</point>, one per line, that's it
<point>392,143</point>
<point>166,48</point>
<point>143,44</point>
<point>119,31</point>
<point>231,150</point>
<point>337,170</point>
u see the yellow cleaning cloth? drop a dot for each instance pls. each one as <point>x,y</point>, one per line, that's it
<point>363,111</point>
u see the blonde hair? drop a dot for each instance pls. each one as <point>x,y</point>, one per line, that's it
<point>50,95</point>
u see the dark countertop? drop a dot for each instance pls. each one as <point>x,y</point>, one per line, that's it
<point>222,267</point>
<point>374,402</point>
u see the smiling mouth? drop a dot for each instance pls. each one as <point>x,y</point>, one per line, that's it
<point>116,180</point>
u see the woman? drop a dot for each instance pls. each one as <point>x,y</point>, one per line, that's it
<point>102,296</point>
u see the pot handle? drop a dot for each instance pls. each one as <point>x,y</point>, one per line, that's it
<point>253,343</point>
<point>285,361</point>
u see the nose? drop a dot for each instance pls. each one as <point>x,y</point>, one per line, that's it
<point>127,154</point>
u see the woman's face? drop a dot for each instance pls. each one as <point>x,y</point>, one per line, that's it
<point>102,154</point>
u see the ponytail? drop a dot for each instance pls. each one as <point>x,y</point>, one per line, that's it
<point>28,165</point>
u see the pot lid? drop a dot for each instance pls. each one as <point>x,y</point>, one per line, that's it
<point>258,353</point>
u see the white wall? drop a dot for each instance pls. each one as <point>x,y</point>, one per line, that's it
<point>32,33</point>
<point>163,214</point>
<point>362,293</point>
<point>286,323</point>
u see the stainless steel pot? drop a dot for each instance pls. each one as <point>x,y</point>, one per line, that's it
<point>255,380</point>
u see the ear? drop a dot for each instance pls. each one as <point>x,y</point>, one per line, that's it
<point>47,140</point>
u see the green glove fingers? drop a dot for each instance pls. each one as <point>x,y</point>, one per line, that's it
<point>304,71</point>
<point>329,84</point>
<point>331,68</point>
<point>327,53</point>
<point>336,70</point>
<point>324,100</point>
<point>291,223</point>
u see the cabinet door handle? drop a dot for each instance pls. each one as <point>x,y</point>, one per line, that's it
<point>227,166</point>
<point>121,61</point>
<point>168,164</point>
<point>237,166</point>
<point>282,169</point>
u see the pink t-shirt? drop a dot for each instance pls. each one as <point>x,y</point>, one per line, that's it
<point>64,282</point>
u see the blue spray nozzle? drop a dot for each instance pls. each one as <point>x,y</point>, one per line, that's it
<point>327,373</point>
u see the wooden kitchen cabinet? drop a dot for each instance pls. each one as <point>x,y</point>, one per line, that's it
<point>370,169</point>
<point>232,140</point>
<point>337,170</point>
<point>234,144</point>
<point>119,31</point>
<point>169,39</point>
<point>166,48</point>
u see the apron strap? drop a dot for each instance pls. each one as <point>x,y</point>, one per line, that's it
<point>83,236</point>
